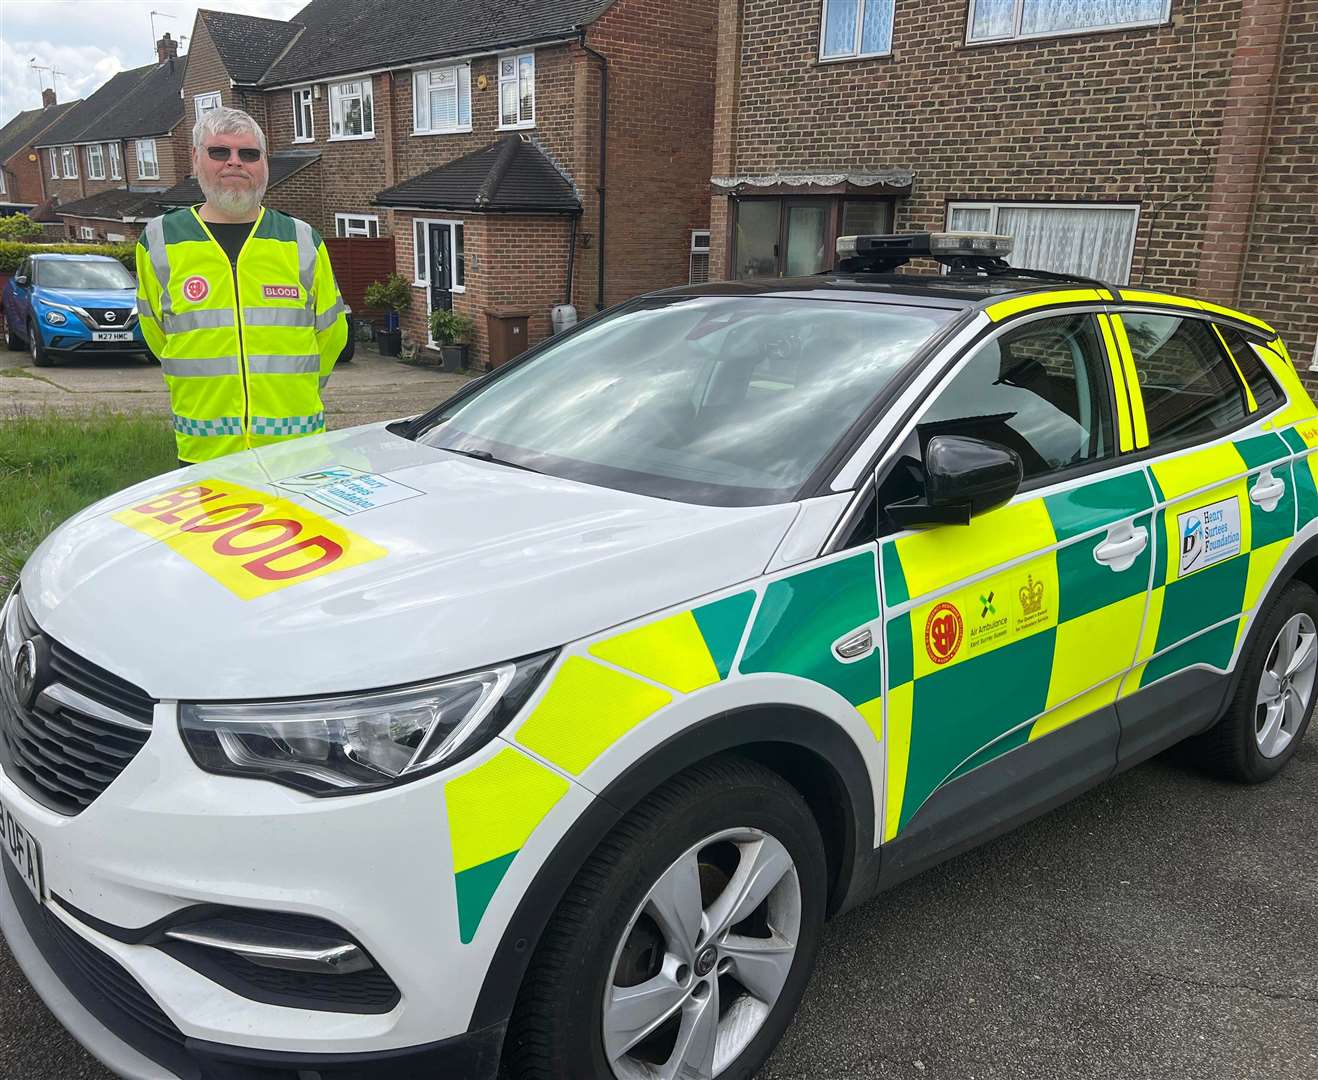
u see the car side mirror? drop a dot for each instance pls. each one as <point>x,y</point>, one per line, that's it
<point>963,477</point>
<point>21,279</point>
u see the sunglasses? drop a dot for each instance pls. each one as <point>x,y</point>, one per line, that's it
<point>223,153</point>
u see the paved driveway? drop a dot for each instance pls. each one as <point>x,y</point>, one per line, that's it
<point>1163,926</point>
<point>372,387</point>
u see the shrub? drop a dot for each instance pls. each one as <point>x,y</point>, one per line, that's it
<point>449,328</point>
<point>18,227</point>
<point>12,253</point>
<point>393,293</point>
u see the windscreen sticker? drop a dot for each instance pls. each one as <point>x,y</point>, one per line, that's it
<point>1209,534</point>
<point>250,542</point>
<point>349,491</point>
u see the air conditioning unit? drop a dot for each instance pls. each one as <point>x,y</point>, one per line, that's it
<point>699,271</point>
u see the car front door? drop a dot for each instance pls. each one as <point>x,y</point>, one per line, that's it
<point>1015,626</point>
<point>16,313</point>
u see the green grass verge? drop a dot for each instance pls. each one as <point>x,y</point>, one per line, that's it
<point>51,466</point>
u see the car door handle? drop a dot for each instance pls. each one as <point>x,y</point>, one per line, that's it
<point>1122,546</point>
<point>1267,492</point>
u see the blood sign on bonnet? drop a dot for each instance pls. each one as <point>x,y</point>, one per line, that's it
<point>247,541</point>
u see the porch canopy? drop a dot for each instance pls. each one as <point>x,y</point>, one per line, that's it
<point>884,182</point>
<point>511,176</point>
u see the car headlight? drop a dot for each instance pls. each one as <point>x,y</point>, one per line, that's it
<point>55,318</point>
<point>347,744</point>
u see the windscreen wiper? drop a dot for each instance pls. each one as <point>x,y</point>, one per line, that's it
<point>485,455</point>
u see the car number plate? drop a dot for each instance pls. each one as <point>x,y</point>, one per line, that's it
<point>22,851</point>
<point>112,335</point>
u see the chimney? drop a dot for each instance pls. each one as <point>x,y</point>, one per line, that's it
<point>47,98</point>
<point>166,48</point>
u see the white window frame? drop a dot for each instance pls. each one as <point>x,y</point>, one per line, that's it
<point>86,232</point>
<point>517,58</point>
<point>115,238</point>
<point>2,180</point>
<point>462,78</point>
<point>95,161</point>
<point>344,225</point>
<point>338,93</point>
<point>116,161</point>
<point>154,160</point>
<point>69,156</point>
<point>54,162</point>
<point>994,207</point>
<point>856,39</point>
<point>204,103</point>
<point>420,281</point>
<point>304,109</point>
<point>1018,19</point>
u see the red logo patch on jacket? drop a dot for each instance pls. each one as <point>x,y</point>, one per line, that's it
<point>281,292</point>
<point>196,288</point>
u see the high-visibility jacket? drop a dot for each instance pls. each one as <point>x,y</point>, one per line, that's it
<point>245,349</point>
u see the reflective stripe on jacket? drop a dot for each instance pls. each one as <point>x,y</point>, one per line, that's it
<point>244,364</point>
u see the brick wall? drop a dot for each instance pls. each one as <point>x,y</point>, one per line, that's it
<point>101,228</point>
<point>206,73</point>
<point>662,66</point>
<point>302,196</point>
<point>1280,270</point>
<point>172,164</point>
<point>23,178</point>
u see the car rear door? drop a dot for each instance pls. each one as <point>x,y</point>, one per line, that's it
<point>1025,621</point>
<point>1225,513</point>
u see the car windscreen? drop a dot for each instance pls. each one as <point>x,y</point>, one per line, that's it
<point>71,274</point>
<point>719,400</point>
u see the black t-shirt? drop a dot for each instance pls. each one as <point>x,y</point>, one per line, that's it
<point>231,236</point>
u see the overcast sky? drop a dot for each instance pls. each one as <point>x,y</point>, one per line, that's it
<point>90,40</point>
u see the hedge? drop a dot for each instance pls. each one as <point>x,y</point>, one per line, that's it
<point>12,253</point>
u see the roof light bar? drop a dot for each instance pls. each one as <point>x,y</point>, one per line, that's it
<point>962,250</point>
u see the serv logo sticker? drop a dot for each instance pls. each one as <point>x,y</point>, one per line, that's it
<point>1209,534</point>
<point>943,633</point>
<point>349,491</point>
<point>251,543</point>
<point>196,288</point>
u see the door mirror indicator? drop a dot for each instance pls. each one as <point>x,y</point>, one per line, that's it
<point>963,477</point>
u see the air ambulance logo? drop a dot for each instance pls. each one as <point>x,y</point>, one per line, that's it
<point>196,288</point>
<point>943,633</point>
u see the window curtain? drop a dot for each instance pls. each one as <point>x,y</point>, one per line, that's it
<point>1092,241</point>
<point>840,27</point>
<point>971,219</point>
<point>1042,16</point>
<point>993,19</point>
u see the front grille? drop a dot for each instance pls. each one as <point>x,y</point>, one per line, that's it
<point>122,317</point>
<point>63,756</point>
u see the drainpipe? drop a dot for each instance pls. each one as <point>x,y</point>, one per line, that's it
<point>604,151</point>
<point>571,258</point>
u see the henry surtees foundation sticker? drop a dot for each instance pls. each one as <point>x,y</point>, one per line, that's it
<point>349,491</point>
<point>943,631</point>
<point>249,542</point>
<point>1209,534</point>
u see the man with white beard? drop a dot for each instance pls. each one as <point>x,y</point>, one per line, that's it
<point>238,302</point>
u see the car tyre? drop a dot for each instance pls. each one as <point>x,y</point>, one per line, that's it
<point>684,845</point>
<point>13,342</point>
<point>40,356</point>
<point>1273,704</point>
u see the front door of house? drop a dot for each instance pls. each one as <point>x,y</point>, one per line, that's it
<point>440,243</point>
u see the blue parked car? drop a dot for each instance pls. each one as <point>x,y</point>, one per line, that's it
<point>57,306</point>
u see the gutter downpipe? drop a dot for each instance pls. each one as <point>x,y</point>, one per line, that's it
<point>604,152</point>
<point>571,256</point>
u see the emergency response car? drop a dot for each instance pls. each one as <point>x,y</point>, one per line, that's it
<point>544,730</point>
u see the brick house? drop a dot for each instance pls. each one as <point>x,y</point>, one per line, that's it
<point>1145,141</point>
<point>340,82</point>
<point>106,156</point>
<point>20,163</point>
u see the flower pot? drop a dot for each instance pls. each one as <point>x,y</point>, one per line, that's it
<point>454,357</point>
<point>390,342</point>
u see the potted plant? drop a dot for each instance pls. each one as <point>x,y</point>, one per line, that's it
<point>395,295</point>
<point>453,334</point>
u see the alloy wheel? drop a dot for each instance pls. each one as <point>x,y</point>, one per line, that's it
<point>1286,685</point>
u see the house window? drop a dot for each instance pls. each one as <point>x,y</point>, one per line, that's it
<point>443,100</point>
<point>95,162</point>
<point>352,112</point>
<point>116,161</point>
<point>115,238</point>
<point>70,157</point>
<point>797,236</point>
<point>855,28</point>
<point>699,273</point>
<point>85,232</point>
<point>517,91</point>
<point>422,242</point>
<point>1066,238</point>
<point>205,103</point>
<point>303,127</point>
<point>148,168</point>
<point>999,20</point>
<point>2,180</point>
<point>53,154</point>
<point>356,225</point>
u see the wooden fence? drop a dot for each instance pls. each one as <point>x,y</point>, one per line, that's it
<point>358,261</point>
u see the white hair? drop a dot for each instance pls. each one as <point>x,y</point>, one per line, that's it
<point>226,122</point>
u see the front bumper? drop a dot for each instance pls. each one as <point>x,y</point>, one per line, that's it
<point>118,1022</point>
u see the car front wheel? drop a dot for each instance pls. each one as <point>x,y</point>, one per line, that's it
<point>37,347</point>
<point>684,945</point>
<point>12,341</point>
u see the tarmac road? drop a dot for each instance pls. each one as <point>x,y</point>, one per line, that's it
<point>1164,925</point>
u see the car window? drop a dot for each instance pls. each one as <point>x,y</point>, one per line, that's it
<point>723,400</point>
<point>1187,382</point>
<point>1041,390</point>
<point>71,274</point>
<point>1251,367</point>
